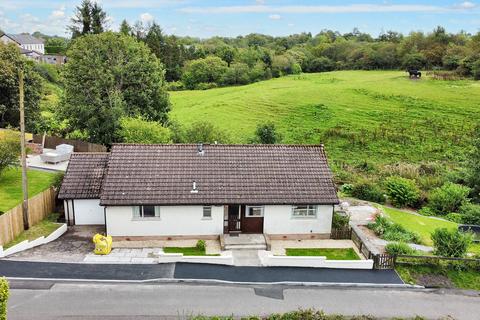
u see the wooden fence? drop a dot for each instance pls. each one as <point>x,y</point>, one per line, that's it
<point>39,206</point>
<point>78,145</point>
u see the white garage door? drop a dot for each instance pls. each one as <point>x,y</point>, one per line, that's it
<point>89,212</point>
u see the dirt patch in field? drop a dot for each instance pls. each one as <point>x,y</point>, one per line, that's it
<point>434,281</point>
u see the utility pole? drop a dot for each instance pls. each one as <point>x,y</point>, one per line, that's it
<point>26,224</point>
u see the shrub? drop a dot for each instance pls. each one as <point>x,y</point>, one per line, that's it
<point>175,86</point>
<point>138,130</point>
<point>237,74</point>
<point>340,221</point>
<point>47,71</point>
<point>426,211</point>
<point>454,217</point>
<point>470,213</point>
<point>266,133</point>
<point>57,181</point>
<point>9,151</point>
<point>201,245</point>
<point>402,191</point>
<point>367,190</point>
<point>321,64</point>
<point>206,85</point>
<point>448,198</point>
<point>451,243</point>
<point>4,294</point>
<point>347,188</point>
<point>396,248</point>
<point>206,132</point>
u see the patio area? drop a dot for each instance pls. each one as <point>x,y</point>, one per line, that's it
<point>35,162</point>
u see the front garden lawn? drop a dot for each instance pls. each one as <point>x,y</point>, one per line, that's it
<point>330,253</point>
<point>187,251</point>
<point>43,228</point>
<point>11,186</point>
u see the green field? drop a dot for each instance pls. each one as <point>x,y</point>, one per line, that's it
<point>11,186</point>
<point>379,116</point>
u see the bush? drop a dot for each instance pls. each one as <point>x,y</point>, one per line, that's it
<point>57,181</point>
<point>4,294</point>
<point>138,130</point>
<point>346,188</point>
<point>448,198</point>
<point>49,72</point>
<point>321,64</point>
<point>367,190</point>
<point>396,248</point>
<point>201,245</point>
<point>175,86</point>
<point>451,243</point>
<point>470,213</point>
<point>203,131</point>
<point>340,221</point>
<point>266,133</point>
<point>454,217</point>
<point>237,74</point>
<point>206,85</point>
<point>402,192</point>
<point>9,151</point>
<point>426,211</point>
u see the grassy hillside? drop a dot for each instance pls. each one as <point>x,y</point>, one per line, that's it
<point>379,116</point>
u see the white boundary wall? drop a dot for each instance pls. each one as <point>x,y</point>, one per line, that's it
<point>24,245</point>
<point>269,260</point>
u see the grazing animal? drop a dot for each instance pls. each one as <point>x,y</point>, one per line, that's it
<point>414,73</point>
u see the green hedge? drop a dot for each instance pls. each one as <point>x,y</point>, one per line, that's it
<point>4,293</point>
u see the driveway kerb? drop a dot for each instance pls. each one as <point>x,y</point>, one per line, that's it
<point>226,282</point>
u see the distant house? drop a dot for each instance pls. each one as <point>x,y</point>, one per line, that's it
<point>202,190</point>
<point>25,41</point>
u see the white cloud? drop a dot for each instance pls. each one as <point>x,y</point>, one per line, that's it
<point>352,8</point>
<point>465,5</point>
<point>146,17</point>
<point>291,25</point>
<point>275,17</point>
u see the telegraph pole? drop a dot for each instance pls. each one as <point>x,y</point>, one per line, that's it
<point>26,224</point>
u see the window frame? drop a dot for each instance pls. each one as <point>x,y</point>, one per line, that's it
<point>309,209</point>
<point>247,211</point>
<point>204,217</point>
<point>138,213</point>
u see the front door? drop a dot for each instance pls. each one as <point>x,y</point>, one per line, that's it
<point>234,218</point>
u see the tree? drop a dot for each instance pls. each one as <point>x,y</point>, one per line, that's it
<point>203,131</point>
<point>266,133</point>
<point>138,130</point>
<point>321,64</point>
<point>10,62</point>
<point>227,54</point>
<point>89,18</point>
<point>208,70</point>
<point>125,28</point>
<point>414,61</point>
<point>237,74</point>
<point>108,76</point>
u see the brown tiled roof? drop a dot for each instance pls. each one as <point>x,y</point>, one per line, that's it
<point>224,174</point>
<point>84,176</point>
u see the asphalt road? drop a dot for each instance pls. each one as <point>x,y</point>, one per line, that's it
<point>24,269</point>
<point>154,301</point>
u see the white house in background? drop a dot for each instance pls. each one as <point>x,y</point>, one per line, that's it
<point>202,191</point>
<point>25,41</point>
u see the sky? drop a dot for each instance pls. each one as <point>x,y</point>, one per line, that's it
<point>206,18</point>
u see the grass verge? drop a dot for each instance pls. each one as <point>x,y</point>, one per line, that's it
<point>43,228</point>
<point>330,253</point>
<point>187,251</point>
<point>11,186</point>
<point>431,276</point>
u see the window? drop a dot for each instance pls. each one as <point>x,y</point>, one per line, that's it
<point>305,211</point>
<point>207,212</point>
<point>254,211</point>
<point>146,212</point>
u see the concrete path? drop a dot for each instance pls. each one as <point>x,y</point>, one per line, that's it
<point>246,258</point>
<point>131,301</point>
<point>170,271</point>
<point>126,255</point>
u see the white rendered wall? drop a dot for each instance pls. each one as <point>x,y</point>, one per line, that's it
<point>279,220</point>
<point>173,221</point>
<point>88,211</point>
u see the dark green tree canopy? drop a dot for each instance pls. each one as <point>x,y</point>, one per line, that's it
<point>10,63</point>
<point>89,18</point>
<point>108,76</point>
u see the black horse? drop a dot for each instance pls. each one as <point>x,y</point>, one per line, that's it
<point>414,73</point>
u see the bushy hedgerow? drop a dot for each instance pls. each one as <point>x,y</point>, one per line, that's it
<point>451,243</point>
<point>4,294</point>
<point>401,191</point>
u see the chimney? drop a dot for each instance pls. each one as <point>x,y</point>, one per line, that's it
<point>200,150</point>
<point>194,187</point>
